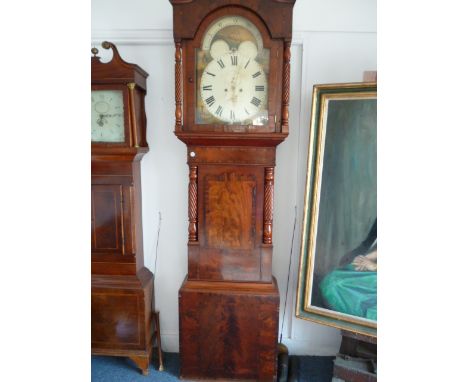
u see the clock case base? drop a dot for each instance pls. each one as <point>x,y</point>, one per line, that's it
<point>121,322</point>
<point>229,330</point>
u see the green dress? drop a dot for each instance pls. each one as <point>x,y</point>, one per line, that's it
<point>352,292</point>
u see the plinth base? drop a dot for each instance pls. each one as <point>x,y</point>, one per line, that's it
<point>228,330</point>
<point>121,322</point>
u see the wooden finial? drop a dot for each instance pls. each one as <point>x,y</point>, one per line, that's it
<point>115,52</point>
<point>94,51</point>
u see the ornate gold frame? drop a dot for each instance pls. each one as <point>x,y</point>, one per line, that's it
<point>321,95</point>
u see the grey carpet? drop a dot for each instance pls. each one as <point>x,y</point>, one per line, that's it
<point>121,369</point>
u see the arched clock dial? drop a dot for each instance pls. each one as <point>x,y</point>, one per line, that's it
<point>233,88</point>
<point>232,74</point>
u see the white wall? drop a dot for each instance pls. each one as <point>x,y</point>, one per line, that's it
<point>333,41</point>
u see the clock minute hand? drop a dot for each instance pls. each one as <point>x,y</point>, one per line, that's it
<point>234,84</point>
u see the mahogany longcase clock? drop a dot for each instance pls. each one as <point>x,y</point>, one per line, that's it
<point>232,96</point>
<point>121,289</point>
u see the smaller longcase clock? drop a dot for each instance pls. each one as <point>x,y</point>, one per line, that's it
<point>121,286</point>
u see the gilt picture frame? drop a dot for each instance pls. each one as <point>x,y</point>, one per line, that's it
<point>337,281</point>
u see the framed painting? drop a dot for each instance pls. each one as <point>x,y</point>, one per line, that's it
<point>337,283</point>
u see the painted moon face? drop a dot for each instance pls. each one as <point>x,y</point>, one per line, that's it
<point>219,48</point>
<point>248,49</point>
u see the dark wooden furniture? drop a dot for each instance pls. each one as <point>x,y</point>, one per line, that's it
<point>357,359</point>
<point>232,97</point>
<point>121,286</point>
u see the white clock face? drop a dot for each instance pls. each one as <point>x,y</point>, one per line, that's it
<point>232,75</point>
<point>233,88</point>
<point>107,116</point>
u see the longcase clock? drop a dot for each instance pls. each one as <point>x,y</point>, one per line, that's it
<point>121,290</point>
<point>232,99</point>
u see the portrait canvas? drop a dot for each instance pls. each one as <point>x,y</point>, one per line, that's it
<point>338,268</point>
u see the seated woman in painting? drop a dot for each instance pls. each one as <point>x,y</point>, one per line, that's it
<point>352,288</point>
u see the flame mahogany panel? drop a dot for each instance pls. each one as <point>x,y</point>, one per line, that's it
<point>230,331</point>
<point>229,217</point>
<point>230,201</point>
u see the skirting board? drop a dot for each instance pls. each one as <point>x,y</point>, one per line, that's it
<point>303,347</point>
<point>170,342</point>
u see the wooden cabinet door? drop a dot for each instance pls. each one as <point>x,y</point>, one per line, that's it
<point>230,220</point>
<point>107,219</point>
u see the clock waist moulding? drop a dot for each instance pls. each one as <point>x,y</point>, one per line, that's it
<point>232,99</point>
<point>121,286</point>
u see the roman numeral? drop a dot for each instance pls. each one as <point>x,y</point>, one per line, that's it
<point>234,60</point>
<point>246,111</point>
<point>210,101</point>
<point>219,111</point>
<point>233,116</point>
<point>259,88</point>
<point>208,87</point>
<point>221,63</point>
<point>247,63</point>
<point>256,74</point>
<point>255,101</point>
<point>211,74</point>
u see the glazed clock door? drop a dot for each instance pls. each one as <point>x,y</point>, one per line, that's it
<point>235,64</point>
<point>107,219</point>
<point>109,115</point>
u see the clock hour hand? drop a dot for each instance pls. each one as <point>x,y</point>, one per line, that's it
<point>100,121</point>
